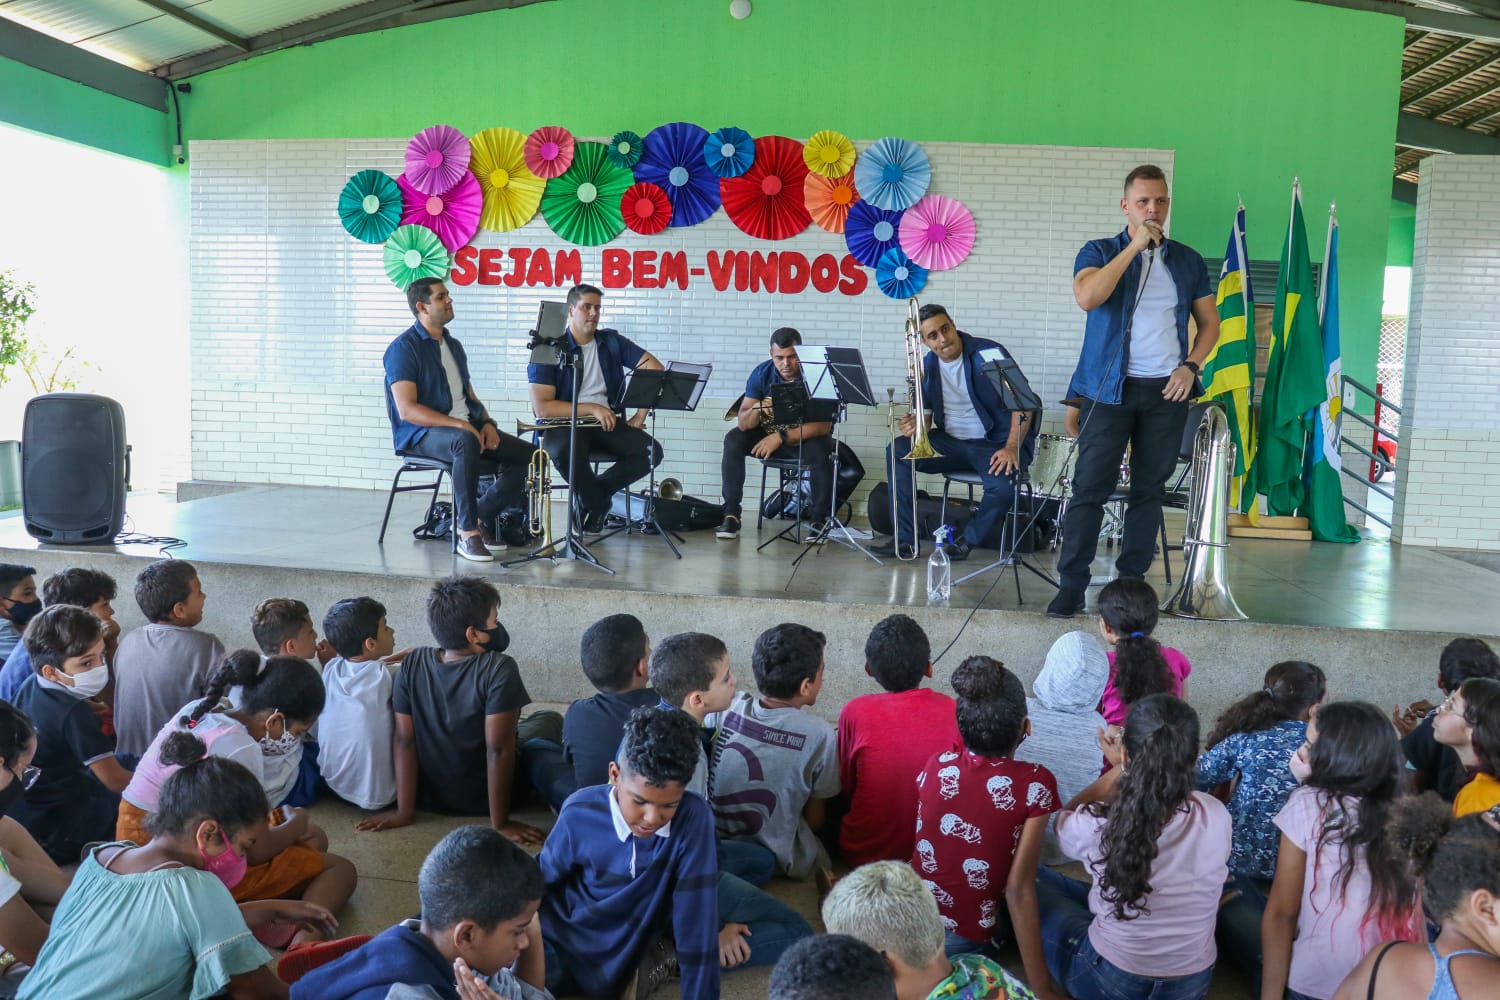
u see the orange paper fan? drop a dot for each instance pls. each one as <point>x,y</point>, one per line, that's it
<point>829,199</point>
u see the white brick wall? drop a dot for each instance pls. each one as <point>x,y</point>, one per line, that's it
<point>290,315</point>
<point>1449,489</point>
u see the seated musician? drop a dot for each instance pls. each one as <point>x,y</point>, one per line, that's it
<point>434,413</point>
<point>755,433</point>
<point>602,356</point>
<point>968,426</point>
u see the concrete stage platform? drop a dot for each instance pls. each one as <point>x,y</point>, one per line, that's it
<point>1373,615</point>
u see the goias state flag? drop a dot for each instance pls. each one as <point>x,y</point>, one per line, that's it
<point>1229,369</point>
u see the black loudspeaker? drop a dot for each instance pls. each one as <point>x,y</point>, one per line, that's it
<point>75,468</point>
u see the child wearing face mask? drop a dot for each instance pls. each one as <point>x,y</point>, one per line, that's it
<point>28,878</point>
<point>158,920</point>
<point>18,605</point>
<point>280,699</point>
<point>460,740</point>
<point>77,794</point>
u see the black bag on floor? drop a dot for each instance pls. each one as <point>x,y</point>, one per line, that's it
<point>785,502</point>
<point>685,514</point>
<point>961,512</point>
<point>439,523</point>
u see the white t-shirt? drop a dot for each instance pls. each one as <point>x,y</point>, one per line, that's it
<point>460,409</point>
<point>354,746</point>
<point>1154,348</point>
<point>593,388</point>
<point>959,416</point>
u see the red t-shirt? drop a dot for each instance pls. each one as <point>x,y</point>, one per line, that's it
<point>884,739</point>
<point>970,811</point>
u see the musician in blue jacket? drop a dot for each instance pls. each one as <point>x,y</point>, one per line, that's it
<point>968,426</point>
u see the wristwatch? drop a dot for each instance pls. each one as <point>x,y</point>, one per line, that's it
<point>1192,366</point>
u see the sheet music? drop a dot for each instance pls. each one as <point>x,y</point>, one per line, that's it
<point>815,372</point>
<point>699,372</point>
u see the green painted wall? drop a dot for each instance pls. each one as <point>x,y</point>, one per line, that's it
<point>1402,234</point>
<point>53,106</point>
<point>1248,94</point>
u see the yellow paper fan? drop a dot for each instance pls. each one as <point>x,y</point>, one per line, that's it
<point>829,153</point>
<point>511,191</point>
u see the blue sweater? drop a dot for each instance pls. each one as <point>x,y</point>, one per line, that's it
<point>600,915</point>
<point>396,955</point>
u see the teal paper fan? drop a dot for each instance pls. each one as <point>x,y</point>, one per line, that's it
<point>415,252</point>
<point>625,149</point>
<point>370,206</point>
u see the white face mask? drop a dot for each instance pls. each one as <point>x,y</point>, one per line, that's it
<point>90,682</point>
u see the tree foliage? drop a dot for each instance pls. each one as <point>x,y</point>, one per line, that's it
<point>17,303</point>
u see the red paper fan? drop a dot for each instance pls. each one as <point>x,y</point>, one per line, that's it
<point>646,208</point>
<point>549,151</point>
<point>767,201</point>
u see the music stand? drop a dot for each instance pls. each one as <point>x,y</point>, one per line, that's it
<point>991,372</point>
<point>678,387</point>
<point>841,379</point>
<point>549,346</point>
<point>789,408</point>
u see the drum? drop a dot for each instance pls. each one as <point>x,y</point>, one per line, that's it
<point>1052,467</point>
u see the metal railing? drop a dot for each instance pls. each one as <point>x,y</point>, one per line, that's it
<point>1376,461</point>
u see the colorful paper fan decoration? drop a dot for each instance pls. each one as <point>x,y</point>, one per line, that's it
<point>370,206</point>
<point>583,205</point>
<point>674,162</point>
<point>625,149</point>
<point>937,232</point>
<point>645,208</point>
<point>453,215</point>
<point>729,151</point>
<point>549,151</point>
<point>893,173</point>
<point>829,153</point>
<point>511,191</point>
<point>897,276</point>
<point>828,200</point>
<point>436,159</point>
<point>870,231</point>
<point>415,252</point>
<point>766,201</point>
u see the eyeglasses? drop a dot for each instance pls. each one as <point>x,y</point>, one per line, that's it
<point>1447,705</point>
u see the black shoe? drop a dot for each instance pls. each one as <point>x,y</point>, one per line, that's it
<point>1066,604</point>
<point>958,549</point>
<point>887,548</point>
<point>514,529</point>
<point>730,528</point>
<point>657,965</point>
<point>594,520</point>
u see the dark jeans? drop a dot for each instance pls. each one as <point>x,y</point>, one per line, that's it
<point>63,826</point>
<point>626,445</point>
<point>816,457</point>
<point>1152,427</point>
<point>1078,968</point>
<point>1238,930</point>
<point>774,926</point>
<point>956,456</point>
<point>747,860</point>
<point>548,770</point>
<point>449,444</point>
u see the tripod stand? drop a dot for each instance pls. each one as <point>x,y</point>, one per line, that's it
<point>842,378</point>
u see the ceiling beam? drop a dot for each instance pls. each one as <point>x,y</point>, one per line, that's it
<point>1457,78</point>
<point>1436,57</point>
<point>1460,102</point>
<point>1463,25</point>
<point>1404,191</point>
<point>24,45</point>
<point>1424,133</point>
<point>1485,8</point>
<point>207,27</point>
<point>373,15</point>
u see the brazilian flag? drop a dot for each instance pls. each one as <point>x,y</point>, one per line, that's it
<point>1229,370</point>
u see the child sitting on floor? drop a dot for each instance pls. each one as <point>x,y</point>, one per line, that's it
<point>630,872</point>
<point>1139,665</point>
<point>81,587</point>
<point>480,895</point>
<point>1469,722</point>
<point>357,725</point>
<point>1458,865</point>
<point>18,604</point>
<point>77,795</point>
<point>1434,765</point>
<point>832,967</point>
<point>167,904</point>
<point>884,739</point>
<point>283,626</point>
<point>27,876</point>
<point>615,652</point>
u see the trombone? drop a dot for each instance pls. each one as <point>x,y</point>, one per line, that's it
<point>921,445</point>
<point>539,497</point>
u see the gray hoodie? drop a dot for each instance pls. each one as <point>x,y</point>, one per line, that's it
<point>1065,720</point>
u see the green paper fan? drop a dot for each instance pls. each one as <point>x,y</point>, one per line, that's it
<point>582,205</point>
<point>415,252</point>
<point>370,206</point>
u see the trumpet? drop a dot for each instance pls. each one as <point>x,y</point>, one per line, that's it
<point>552,423</point>
<point>921,446</point>
<point>539,497</point>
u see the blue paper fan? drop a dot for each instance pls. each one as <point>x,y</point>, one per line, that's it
<point>625,149</point>
<point>893,173</point>
<point>729,151</point>
<point>370,206</point>
<point>897,276</point>
<point>673,161</point>
<point>870,232</point>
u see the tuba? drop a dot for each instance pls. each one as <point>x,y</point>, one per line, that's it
<point>539,496</point>
<point>1204,589</point>
<point>921,447</point>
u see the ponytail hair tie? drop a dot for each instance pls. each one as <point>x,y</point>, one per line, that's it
<point>192,724</point>
<point>1137,635</point>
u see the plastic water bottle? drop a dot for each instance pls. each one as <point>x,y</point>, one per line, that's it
<point>939,569</point>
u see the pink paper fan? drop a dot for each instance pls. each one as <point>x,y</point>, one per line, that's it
<point>436,159</point>
<point>937,232</point>
<point>453,215</point>
<point>549,151</point>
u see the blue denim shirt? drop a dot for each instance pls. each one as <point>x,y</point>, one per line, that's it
<point>992,412</point>
<point>416,357</point>
<point>616,353</point>
<point>1100,374</point>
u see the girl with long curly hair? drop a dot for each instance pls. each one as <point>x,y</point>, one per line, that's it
<point>1158,852</point>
